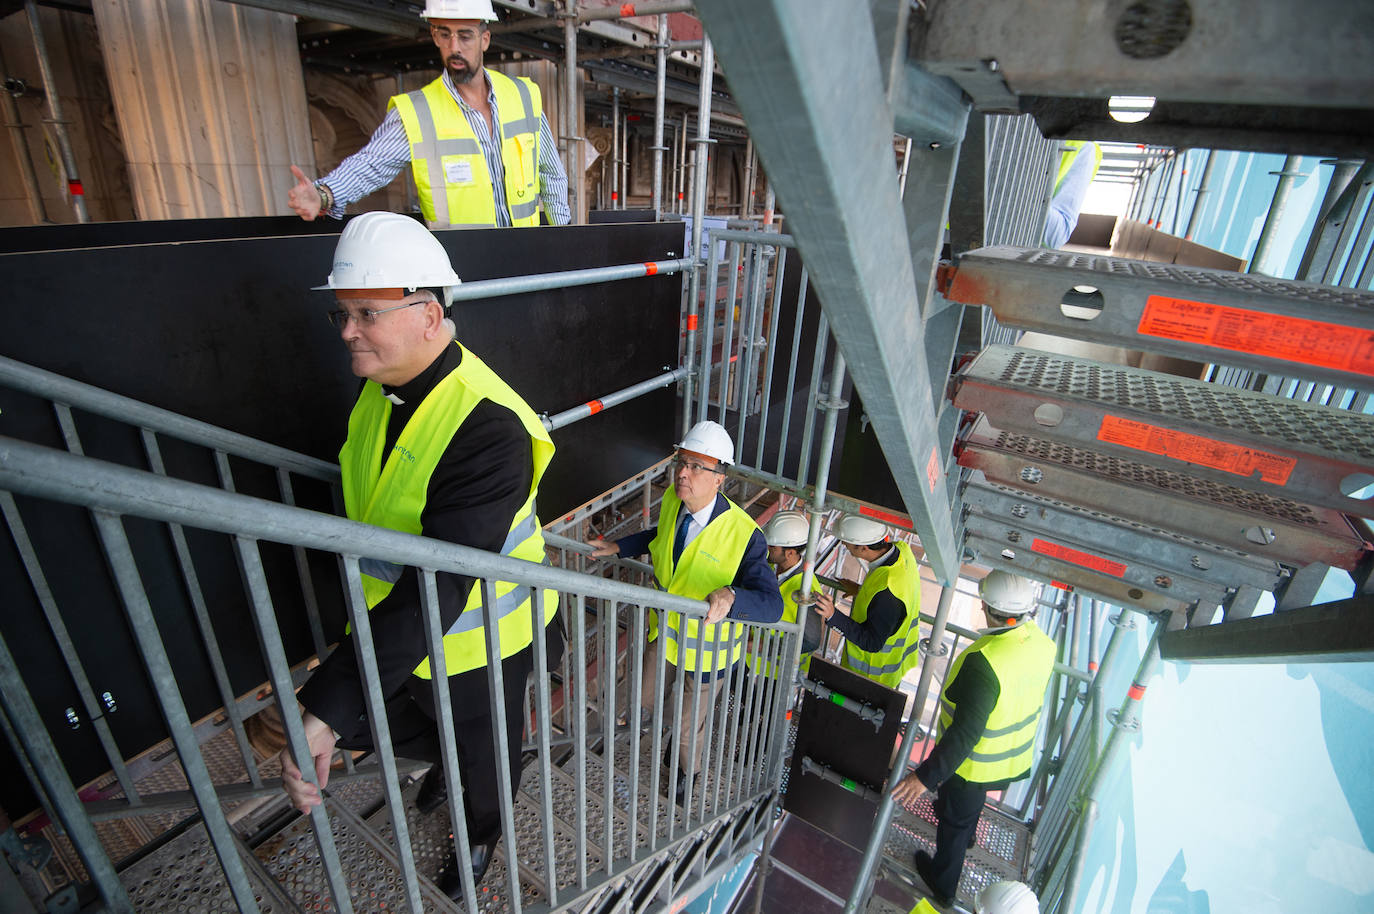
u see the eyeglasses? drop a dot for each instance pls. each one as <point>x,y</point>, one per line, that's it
<point>366,316</point>
<point>694,466</point>
<point>444,35</point>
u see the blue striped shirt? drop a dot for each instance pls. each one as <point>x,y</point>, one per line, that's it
<point>381,160</point>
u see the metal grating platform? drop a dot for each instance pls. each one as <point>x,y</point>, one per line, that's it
<point>1256,441</point>
<point>1262,525</point>
<point>1304,329</point>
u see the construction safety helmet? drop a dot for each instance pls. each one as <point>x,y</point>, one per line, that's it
<point>1007,594</point>
<point>856,530</point>
<point>459,9</point>
<point>390,251</point>
<point>787,528</point>
<point>1007,898</point>
<point>711,439</point>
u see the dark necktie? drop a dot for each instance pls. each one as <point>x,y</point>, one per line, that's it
<point>680,540</point>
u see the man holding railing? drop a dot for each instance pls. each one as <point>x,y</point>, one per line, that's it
<point>989,713</point>
<point>438,445</point>
<point>707,548</point>
<point>882,630</point>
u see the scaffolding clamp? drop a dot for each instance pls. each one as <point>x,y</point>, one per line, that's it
<point>860,709</point>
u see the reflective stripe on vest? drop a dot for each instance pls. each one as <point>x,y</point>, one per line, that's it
<point>901,652</point>
<point>787,587</point>
<point>708,562</point>
<point>1022,659</point>
<point>391,493</point>
<point>451,174</point>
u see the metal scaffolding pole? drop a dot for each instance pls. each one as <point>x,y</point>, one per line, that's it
<point>1276,208</point>
<point>1201,191</point>
<point>615,147</point>
<point>59,123</point>
<point>571,135</point>
<point>699,159</point>
<point>661,68</point>
<point>883,818</point>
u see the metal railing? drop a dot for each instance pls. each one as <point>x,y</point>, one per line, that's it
<point>725,793</point>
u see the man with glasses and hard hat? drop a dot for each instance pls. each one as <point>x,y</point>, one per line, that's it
<point>704,547</point>
<point>438,445</point>
<point>882,630</point>
<point>989,712</point>
<point>477,140</point>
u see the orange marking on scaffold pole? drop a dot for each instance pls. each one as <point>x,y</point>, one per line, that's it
<point>1061,585</point>
<point>933,469</point>
<point>691,322</point>
<point>887,517</point>
<point>627,9</point>
<point>1197,449</point>
<point>1293,339</point>
<point>650,268</point>
<point>1078,557</point>
<point>595,406</point>
<point>1092,666</point>
<point>1136,691</point>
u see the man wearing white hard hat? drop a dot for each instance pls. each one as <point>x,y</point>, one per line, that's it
<point>476,140</point>
<point>989,713</point>
<point>882,630</point>
<point>786,534</point>
<point>438,445</point>
<point>707,548</point>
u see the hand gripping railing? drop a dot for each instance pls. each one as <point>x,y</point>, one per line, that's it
<point>719,816</point>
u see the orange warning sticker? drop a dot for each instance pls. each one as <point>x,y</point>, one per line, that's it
<point>887,517</point>
<point>1206,452</point>
<point>933,469</point>
<point>1078,557</point>
<point>1293,339</point>
<point>650,268</point>
<point>595,406</point>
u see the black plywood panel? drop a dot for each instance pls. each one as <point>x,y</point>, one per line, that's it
<point>847,744</point>
<point>227,331</point>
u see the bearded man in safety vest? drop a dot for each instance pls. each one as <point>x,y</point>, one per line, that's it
<point>786,536</point>
<point>882,630</point>
<point>476,140</point>
<point>989,714</point>
<point>438,445</point>
<point>704,547</point>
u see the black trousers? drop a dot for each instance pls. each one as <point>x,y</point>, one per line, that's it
<point>415,733</point>
<point>958,804</point>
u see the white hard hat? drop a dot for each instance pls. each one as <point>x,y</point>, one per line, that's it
<point>709,438</point>
<point>1007,898</point>
<point>787,528</point>
<point>860,531</point>
<point>459,9</point>
<point>1007,594</point>
<point>389,251</point>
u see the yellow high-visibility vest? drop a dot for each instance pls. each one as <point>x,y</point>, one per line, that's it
<point>707,563</point>
<point>787,586</point>
<point>391,493</point>
<point>900,653</point>
<point>1022,659</point>
<point>451,174</point>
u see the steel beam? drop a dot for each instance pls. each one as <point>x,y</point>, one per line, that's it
<point>1258,525</point>
<point>1280,326</point>
<point>1320,52</point>
<point>1133,569</point>
<point>826,143</point>
<point>994,554</point>
<point>1174,555</point>
<point>1342,632</point>
<point>1256,441</point>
